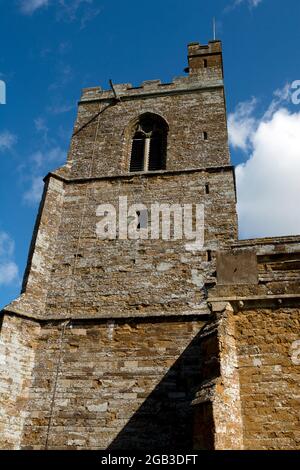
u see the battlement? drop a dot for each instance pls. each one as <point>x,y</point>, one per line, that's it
<point>213,47</point>
<point>202,74</point>
<point>148,87</point>
<point>205,60</point>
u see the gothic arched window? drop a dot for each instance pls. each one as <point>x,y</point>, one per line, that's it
<point>149,144</point>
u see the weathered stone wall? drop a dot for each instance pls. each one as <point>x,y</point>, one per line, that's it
<point>217,406</point>
<point>18,341</point>
<point>266,336</point>
<point>32,301</point>
<point>188,115</point>
<point>272,273</point>
<point>269,378</point>
<point>130,277</point>
<point>191,106</point>
<point>124,384</point>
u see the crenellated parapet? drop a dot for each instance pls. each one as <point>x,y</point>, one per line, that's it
<point>204,70</point>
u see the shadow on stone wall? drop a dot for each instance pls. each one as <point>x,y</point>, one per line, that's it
<point>165,419</point>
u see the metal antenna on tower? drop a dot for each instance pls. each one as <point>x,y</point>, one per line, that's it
<point>214,28</point>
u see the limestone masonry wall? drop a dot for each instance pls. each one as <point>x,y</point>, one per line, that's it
<point>188,116</point>
<point>267,319</point>
<point>18,341</point>
<point>117,384</point>
<point>130,277</point>
<point>269,379</point>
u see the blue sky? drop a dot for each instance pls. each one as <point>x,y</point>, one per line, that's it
<point>52,49</point>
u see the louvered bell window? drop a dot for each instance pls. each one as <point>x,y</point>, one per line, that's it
<point>149,144</point>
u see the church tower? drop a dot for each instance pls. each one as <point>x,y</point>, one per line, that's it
<point>110,340</point>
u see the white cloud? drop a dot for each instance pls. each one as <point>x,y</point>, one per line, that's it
<point>280,96</point>
<point>40,125</point>
<point>28,7</point>
<point>54,155</point>
<point>7,140</point>
<point>242,124</point>
<point>250,3</point>
<point>88,16</point>
<point>9,271</point>
<point>7,245</point>
<point>40,162</point>
<point>60,108</point>
<point>268,183</point>
<point>67,10</point>
<point>34,193</point>
<point>65,75</point>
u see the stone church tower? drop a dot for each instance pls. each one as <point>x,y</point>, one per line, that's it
<point>137,341</point>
